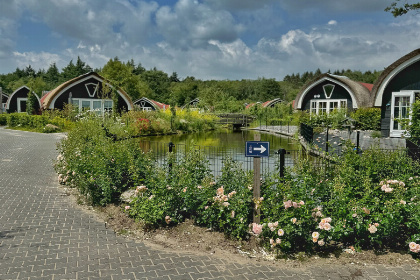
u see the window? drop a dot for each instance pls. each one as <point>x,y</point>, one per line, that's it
<point>98,105</point>
<point>313,107</point>
<point>319,107</point>
<point>328,90</point>
<point>108,106</point>
<point>333,105</point>
<point>322,107</point>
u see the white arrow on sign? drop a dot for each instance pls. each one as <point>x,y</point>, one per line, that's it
<point>262,149</point>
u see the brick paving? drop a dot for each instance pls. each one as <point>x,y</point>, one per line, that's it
<point>43,237</point>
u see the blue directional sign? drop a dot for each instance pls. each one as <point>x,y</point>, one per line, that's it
<point>257,149</point>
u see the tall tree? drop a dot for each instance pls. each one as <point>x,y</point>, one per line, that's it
<point>158,82</point>
<point>69,72</point>
<point>52,75</point>
<point>121,74</point>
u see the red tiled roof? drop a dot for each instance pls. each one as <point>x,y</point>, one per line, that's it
<point>266,103</point>
<point>368,86</point>
<point>45,96</point>
<point>160,105</point>
<point>249,105</point>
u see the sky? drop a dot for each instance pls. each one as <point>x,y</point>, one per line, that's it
<point>207,39</point>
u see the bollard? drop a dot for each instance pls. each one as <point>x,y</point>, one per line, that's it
<point>357,141</point>
<point>282,152</point>
<point>171,147</point>
<point>326,141</point>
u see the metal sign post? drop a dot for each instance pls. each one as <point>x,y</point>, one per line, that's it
<point>257,149</point>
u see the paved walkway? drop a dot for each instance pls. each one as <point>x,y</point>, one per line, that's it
<point>43,237</point>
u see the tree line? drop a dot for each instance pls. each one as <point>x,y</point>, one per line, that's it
<point>137,81</point>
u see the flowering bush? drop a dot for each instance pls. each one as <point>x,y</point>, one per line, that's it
<point>368,200</point>
<point>365,201</point>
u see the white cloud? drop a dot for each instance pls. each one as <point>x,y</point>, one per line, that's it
<point>191,24</point>
<point>40,60</point>
<point>211,39</point>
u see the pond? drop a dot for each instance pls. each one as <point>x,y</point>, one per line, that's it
<point>217,145</point>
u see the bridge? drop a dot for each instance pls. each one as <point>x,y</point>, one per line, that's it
<point>236,120</point>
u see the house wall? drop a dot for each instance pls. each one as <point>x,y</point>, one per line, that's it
<point>407,79</point>
<point>144,104</point>
<point>338,93</point>
<point>79,91</point>
<point>21,93</point>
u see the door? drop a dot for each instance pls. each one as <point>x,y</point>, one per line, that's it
<point>21,105</point>
<point>400,112</point>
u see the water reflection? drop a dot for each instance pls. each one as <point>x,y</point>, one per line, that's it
<point>227,139</point>
<point>218,145</point>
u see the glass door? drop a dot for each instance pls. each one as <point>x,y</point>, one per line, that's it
<point>400,112</point>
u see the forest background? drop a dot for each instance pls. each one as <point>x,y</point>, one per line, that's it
<point>218,95</point>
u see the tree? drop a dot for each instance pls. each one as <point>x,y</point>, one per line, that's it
<point>174,77</point>
<point>398,10</point>
<point>121,74</point>
<point>29,71</point>
<point>81,67</point>
<point>52,75</point>
<point>33,84</point>
<point>69,72</point>
<point>158,82</point>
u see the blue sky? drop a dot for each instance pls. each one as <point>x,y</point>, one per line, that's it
<point>207,39</point>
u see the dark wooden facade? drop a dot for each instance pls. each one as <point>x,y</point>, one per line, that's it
<point>317,93</point>
<point>400,79</point>
<point>329,92</point>
<point>86,91</point>
<point>18,99</point>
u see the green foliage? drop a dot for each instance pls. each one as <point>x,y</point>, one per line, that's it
<point>3,119</point>
<point>367,118</point>
<point>38,122</point>
<point>401,10</point>
<point>100,168</point>
<point>280,114</point>
<point>414,127</point>
<point>334,119</point>
<point>367,200</point>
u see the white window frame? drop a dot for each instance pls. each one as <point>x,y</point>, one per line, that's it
<point>19,99</point>
<point>342,104</point>
<point>400,132</point>
<point>81,100</point>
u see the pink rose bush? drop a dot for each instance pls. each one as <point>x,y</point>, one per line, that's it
<point>355,199</point>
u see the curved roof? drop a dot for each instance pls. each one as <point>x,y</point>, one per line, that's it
<point>155,104</point>
<point>390,72</point>
<point>192,102</point>
<point>271,102</point>
<point>22,87</point>
<point>359,92</point>
<point>50,97</point>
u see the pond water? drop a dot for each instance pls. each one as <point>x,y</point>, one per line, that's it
<point>217,145</point>
<point>227,140</point>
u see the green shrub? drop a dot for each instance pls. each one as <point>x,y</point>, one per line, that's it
<point>368,200</point>
<point>100,168</point>
<point>367,118</point>
<point>3,119</point>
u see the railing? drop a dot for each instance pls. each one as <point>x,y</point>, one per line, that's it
<point>307,132</point>
<point>236,119</point>
<point>278,160</point>
<point>216,156</point>
<point>413,150</point>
